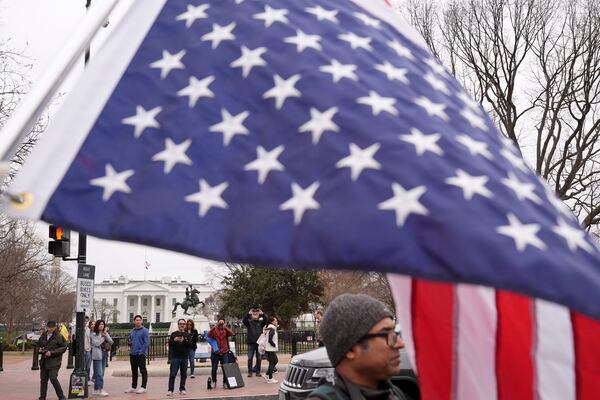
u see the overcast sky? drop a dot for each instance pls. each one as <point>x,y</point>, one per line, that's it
<point>38,29</point>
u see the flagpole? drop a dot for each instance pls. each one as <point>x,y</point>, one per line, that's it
<point>30,108</point>
<point>145,263</point>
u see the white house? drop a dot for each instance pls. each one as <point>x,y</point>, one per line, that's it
<point>152,299</point>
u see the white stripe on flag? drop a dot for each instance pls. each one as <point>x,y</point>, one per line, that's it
<point>401,286</point>
<point>476,344</point>
<point>554,354</point>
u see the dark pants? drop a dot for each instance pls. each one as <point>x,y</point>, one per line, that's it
<point>138,361</point>
<point>178,364</point>
<point>52,376</point>
<point>215,358</point>
<point>273,360</point>
<point>192,358</point>
<point>252,350</point>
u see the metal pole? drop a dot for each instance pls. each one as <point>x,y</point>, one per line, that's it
<point>36,359</point>
<point>28,111</point>
<point>1,357</point>
<point>70,353</point>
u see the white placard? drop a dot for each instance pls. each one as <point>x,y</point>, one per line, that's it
<point>85,295</point>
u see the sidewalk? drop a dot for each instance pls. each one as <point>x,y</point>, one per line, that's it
<point>19,382</point>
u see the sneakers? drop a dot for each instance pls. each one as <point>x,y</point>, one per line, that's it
<point>192,376</point>
<point>258,374</point>
<point>131,390</point>
<point>272,380</point>
<point>182,392</point>
<point>141,390</point>
<point>102,393</point>
<point>169,394</point>
<point>95,392</point>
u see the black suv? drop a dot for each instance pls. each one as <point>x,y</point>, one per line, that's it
<point>307,369</point>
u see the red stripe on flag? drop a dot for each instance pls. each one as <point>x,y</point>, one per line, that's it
<point>515,373</point>
<point>586,340</point>
<point>432,323</point>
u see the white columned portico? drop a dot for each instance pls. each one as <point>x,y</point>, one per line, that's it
<point>152,316</point>
<point>139,305</point>
<point>167,310</point>
<point>124,308</point>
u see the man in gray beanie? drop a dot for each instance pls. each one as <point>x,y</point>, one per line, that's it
<point>358,332</point>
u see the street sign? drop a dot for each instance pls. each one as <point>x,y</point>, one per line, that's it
<point>85,288</point>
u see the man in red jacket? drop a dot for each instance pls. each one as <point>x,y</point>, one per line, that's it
<point>220,333</point>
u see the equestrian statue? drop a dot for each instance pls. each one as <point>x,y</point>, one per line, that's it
<point>191,300</point>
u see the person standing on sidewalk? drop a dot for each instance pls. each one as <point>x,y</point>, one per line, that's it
<point>99,340</point>
<point>254,321</point>
<point>271,348</point>
<point>87,346</point>
<point>179,344</point>
<point>190,328</point>
<point>220,333</point>
<point>140,340</point>
<point>52,345</point>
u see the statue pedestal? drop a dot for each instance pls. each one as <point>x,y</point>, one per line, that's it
<point>200,321</point>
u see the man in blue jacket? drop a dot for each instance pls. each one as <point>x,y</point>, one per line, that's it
<point>140,340</point>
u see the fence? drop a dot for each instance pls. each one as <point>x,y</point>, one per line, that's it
<point>290,342</point>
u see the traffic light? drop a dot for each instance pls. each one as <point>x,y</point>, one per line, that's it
<point>60,246</point>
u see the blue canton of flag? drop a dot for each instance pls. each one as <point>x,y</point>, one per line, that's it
<point>308,134</point>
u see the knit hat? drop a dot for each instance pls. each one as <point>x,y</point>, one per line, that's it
<point>347,319</point>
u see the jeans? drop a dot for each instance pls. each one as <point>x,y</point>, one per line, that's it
<point>98,374</point>
<point>138,361</point>
<point>215,358</point>
<point>178,364</point>
<point>105,358</point>
<point>52,376</point>
<point>88,364</point>
<point>252,350</point>
<point>192,359</point>
<point>273,360</point>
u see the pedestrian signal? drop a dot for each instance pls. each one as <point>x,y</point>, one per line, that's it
<point>60,246</point>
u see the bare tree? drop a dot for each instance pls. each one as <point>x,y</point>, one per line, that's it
<point>106,311</point>
<point>374,284</point>
<point>56,297</point>
<point>535,66</point>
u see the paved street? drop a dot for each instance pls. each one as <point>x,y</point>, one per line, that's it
<point>19,382</point>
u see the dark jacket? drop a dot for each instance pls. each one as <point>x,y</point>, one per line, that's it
<point>194,339</point>
<point>180,349</point>
<point>221,335</point>
<point>346,390</point>
<point>255,327</point>
<point>56,345</point>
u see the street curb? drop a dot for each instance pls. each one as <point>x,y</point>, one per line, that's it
<point>248,397</point>
<point>199,371</point>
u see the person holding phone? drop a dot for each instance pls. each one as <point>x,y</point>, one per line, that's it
<point>179,343</point>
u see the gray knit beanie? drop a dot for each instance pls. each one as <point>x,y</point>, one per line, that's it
<point>347,319</point>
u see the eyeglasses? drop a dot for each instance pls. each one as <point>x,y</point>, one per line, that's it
<point>391,337</point>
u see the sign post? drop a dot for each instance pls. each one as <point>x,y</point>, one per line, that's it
<point>78,388</point>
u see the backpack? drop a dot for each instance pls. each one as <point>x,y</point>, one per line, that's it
<point>262,343</point>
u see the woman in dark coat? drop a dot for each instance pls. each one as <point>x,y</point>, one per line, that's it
<point>190,328</point>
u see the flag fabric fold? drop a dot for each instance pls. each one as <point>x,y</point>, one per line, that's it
<point>305,134</point>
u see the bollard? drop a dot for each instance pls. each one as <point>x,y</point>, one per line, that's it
<point>70,356</point>
<point>294,345</point>
<point>36,360</point>
<point>1,357</point>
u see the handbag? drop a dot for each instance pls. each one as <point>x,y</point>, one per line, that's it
<point>231,357</point>
<point>105,346</point>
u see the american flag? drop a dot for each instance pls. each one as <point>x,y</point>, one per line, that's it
<point>304,134</point>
